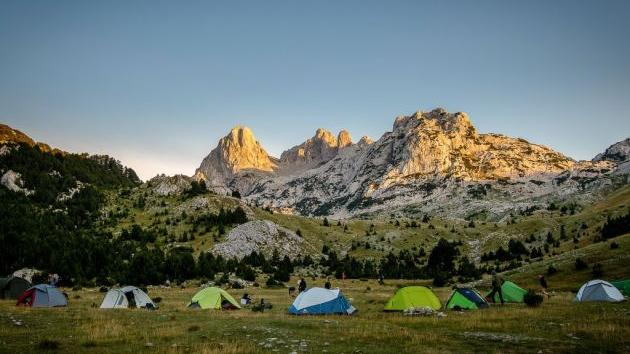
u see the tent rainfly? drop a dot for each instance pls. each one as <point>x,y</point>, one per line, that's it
<point>465,299</point>
<point>42,295</point>
<point>12,287</point>
<point>126,297</point>
<point>320,301</point>
<point>413,297</point>
<point>599,290</point>
<point>213,298</point>
<point>511,293</point>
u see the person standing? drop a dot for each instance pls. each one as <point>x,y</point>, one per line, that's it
<point>497,281</point>
<point>327,285</point>
<point>302,285</point>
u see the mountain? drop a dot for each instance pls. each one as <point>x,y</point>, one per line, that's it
<point>236,154</point>
<point>430,162</point>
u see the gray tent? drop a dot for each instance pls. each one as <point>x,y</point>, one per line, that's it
<point>12,287</point>
<point>42,295</point>
<point>598,290</point>
<point>126,297</point>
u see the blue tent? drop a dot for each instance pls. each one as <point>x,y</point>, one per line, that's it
<point>42,295</point>
<point>320,301</point>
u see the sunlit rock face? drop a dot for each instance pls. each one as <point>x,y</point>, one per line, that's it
<point>435,161</point>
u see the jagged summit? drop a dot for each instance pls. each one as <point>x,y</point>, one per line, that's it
<point>319,149</point>
<point>236,152</point>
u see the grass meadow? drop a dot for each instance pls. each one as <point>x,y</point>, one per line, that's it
<point>557,326</point>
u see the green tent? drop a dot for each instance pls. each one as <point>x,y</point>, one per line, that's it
<point>413,297</point>
<point>465,299</point>
<point>511,293</point>
<point>623,286</point>
<point>213,298</point>
<point>12,287</point>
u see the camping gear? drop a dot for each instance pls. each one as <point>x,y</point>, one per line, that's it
<point>213,298</point>
<point>623,286</point>
<point>511,293</point>
<point>42,295</point>
<point>320,301</point>
<point>413,297</point>
<point>126,297</point>
<point>599,290</point>
<point>465,299</point>
<point>12,287</point>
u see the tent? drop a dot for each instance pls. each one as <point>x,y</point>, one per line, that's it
<point>511,293</point>
<point>42,295</point>
<point>320,301</point>
<point>465,299</point>
<point>413,297</point>
<point>598,290</point>
<point>213,298</point>
<point>127,297</point>
<point>12,287</point>
<point>623,286</point>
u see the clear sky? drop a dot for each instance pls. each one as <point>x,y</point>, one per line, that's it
<point>157,83</point>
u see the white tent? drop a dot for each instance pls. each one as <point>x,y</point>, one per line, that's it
<point>126,297</point>
<point>598,290</point>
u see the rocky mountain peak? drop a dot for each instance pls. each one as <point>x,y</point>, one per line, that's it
<point>618,152</point>
<point>344,139</point>
<point>315,151</point>
<point>238,151</point>
<point>365,141</point>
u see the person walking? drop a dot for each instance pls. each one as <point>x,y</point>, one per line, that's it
<point>497,281</point>
<point>543,285</point>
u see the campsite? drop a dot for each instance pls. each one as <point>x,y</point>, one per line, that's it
<point>558,325</point>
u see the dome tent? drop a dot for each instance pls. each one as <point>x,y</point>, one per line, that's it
<point>599,290</point>
<point>511,293</point>
<point>623,286</point>
<point>320,301</point>
<point>42,295</point>
<point>413,297</point>
<point>12,287</point>
<point>128,296</point>
<point>213,298</point>
<point>465,299</point>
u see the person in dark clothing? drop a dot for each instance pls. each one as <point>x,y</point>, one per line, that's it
<point>543,285</point>
<point>496,287</point>
<point>327,285</point>
<point>381,279</point>
<point>302,286</point>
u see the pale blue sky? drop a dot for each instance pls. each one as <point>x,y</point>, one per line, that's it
<point>157,83</point>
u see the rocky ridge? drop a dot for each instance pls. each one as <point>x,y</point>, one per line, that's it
<point>434,161</point>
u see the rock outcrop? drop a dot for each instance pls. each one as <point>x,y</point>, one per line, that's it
<point>260,236</point>
<point>169,185</point>
<point>618,152</point>
<point>13,182</point>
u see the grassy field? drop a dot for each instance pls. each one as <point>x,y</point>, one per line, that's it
<point>558,325</point>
